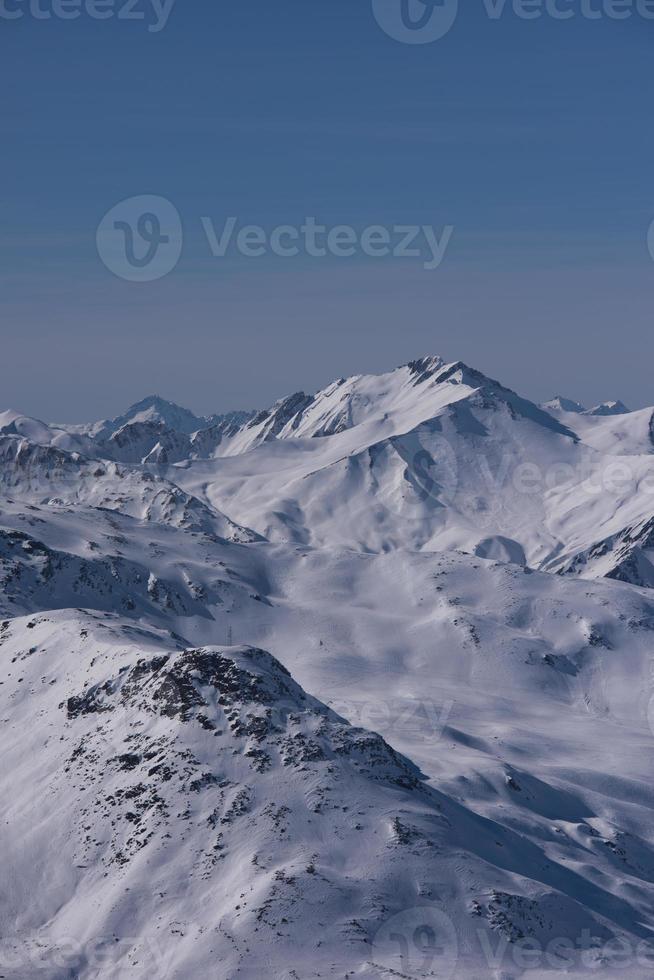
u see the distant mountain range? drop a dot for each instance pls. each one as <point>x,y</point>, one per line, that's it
<point>428,456</point>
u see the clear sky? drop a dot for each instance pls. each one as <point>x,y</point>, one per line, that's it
<point>532,138</point>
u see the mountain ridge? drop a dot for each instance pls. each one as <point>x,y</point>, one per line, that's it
<point>439,447</point>
<point>287,692</point>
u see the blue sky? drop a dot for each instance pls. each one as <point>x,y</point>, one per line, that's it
<point>532,138</point>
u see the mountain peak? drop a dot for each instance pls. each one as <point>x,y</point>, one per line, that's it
<point>9,417</point>
<point>609,408</point>
<point>560,404</point>
<point>425,367</point>
<point>154,408</point>
<point>153,401</point>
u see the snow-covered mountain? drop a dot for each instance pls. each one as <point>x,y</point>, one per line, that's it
<point>159,411</point>
<point>609,408</point>
<point>560,404</point>
<point>359,685</point>
<point>438,456</point>
<point>153,429</point>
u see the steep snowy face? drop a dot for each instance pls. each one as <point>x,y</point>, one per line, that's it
<point>202,806</point>
<point>205,442</point>
<point>627,556</point>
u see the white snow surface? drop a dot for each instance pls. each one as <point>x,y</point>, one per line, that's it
<point>359,686</point>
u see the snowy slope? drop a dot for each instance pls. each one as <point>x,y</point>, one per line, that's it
<point>341,689</point>
<point>194,800</point>
<point>435,456</point>
<point>200,805</point>
<point>41,474</point>
<point>623,434</point>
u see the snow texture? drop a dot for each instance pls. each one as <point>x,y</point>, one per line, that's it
<point>356,686</point>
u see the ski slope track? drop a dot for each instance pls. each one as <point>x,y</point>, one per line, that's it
<point>356,686</point>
